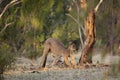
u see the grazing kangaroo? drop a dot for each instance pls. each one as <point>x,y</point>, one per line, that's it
<point>58,49</point>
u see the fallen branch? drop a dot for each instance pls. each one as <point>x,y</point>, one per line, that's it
<point>6,27</point>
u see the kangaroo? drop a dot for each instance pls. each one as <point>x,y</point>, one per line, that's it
<point>58,49</point>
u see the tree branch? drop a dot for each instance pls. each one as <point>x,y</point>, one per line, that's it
<point>79,27</point>
<point>72,18</point>
<point>16,3</point>
<point>13,2</point>
<point>6,27</point>
<point>98,5</point>
<point>75,20</point>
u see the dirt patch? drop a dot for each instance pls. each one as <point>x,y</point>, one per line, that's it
<point>25,69</point>
<point>64,74</point>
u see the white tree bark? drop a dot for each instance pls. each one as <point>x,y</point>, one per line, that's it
<point>5,27</point>
<point>98,5</point>
<point>13,2</point>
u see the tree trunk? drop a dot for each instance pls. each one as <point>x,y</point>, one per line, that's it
<point>90,34</point>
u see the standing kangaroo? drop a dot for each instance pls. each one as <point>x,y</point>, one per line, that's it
<point>58,49</point>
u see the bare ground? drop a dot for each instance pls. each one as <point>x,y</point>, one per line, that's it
<point>25,69</point>
<point>65,74</point>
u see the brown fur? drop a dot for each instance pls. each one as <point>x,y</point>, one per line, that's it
<point>58,49</point>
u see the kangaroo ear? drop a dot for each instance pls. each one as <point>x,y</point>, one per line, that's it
<point>75,43</point>
<point>71,42</point>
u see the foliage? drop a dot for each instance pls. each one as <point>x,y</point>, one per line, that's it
<point>36,20</point>
<point>107,24</point>
<point>33,21</point>
<point>6,57</point>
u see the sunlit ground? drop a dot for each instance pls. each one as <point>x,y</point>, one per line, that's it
<point>26,69</point>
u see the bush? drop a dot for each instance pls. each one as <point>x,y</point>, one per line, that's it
<point>6,58</point>
<point>32,52</point>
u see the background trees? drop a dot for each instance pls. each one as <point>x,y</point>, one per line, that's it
<point>108,30</point>
<point>26,24</point>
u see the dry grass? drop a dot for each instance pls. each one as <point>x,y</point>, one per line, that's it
<point>26,69</point>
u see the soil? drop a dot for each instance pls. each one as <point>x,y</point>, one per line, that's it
<point>26,69</point>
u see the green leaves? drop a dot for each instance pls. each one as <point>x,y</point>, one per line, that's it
<point>35,12</point>
<point>6,58</point>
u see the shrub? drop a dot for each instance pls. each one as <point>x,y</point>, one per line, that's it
<point>32,52</point>
<point>6,58</point>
